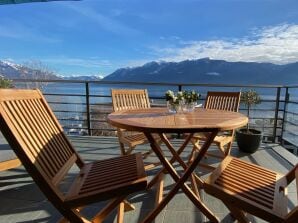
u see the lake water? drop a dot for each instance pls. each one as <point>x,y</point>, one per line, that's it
<point>101,93</point>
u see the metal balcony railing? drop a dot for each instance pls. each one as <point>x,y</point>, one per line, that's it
<point>82,106</point>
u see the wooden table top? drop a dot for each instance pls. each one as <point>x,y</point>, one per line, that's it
<point>159,120</point>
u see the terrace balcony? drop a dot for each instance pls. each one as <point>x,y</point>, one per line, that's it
<point>82,107</point>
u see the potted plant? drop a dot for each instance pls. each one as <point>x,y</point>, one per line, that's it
<point>248,139</point>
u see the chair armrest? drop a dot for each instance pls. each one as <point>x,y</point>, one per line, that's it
<point>290,176</point>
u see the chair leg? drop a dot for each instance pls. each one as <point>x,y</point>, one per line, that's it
<point>120,215</point>
<point>128,206</point>
<point>122,148</point>
<point>99,217</point>
<point>124,151</point>
<point>191,156</point>
<point>159,190</point>
<point>77,218</point>
<point>222,150</point>
<point>64,220</point>
<point>146,154</point>
<point>193,152</point>
<point>237,213</point>
<point>130,149</point>
<point>229,147</point>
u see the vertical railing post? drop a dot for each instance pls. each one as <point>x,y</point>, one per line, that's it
<point>276,113</point>
<point>284,117</point>
<point>179,87</point>
<point>88,108</point>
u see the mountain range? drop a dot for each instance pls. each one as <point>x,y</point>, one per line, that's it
<point>206,70</point>
<point>203,70</point>
<point>16,71</point>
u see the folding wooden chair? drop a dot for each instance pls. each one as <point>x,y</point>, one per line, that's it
<point>245,187</point>
<point>128,99</point>
<point>34,133</point>
<point>227,101</point>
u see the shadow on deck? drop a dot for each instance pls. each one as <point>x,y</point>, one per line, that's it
<point>22,201</point>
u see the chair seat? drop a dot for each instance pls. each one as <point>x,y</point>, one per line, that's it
<point>134,139</point>
<point>249,185</point>
<point>137,139</point>
<point>219,139</point>
<point>106,179</point>
<point>221,101</point>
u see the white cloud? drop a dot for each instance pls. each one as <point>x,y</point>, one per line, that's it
<point>213,74</point>
<point>104,22</point>
<point>278,44</point>
<point>16,30</point>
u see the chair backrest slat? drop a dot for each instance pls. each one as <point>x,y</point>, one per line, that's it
<point>34,122</point>
<point>51,128</point>
<point>126,99</point>
<point>35,134</point>
<point>228,101</point>
<point>61,153</point>
<point>25,137</point>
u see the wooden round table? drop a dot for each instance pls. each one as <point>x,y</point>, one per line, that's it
<point>160,121</point>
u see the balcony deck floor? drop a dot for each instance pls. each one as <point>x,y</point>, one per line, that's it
<point>22,201</point>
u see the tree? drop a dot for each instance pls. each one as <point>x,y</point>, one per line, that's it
<point>250,98</point>
<point>5,83</point>
<point>36,70</point>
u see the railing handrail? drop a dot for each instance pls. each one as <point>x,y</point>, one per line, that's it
<point>156,83</point>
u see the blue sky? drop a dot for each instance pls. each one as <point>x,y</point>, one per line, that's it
<point>96,37</point>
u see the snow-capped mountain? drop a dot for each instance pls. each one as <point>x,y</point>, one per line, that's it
<point>16,71</point>
<point>206,70</point>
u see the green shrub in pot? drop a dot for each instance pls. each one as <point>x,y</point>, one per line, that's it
<point>249,139</point>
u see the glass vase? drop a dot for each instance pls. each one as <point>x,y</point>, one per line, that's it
<point>174,107</point>
<point>189,106</point>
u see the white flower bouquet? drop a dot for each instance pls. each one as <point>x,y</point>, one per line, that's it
<point>182,101</point>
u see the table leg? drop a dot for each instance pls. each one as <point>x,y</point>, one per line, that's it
<point>159,190</point>
<point>172,160</point>
<point>180,181</point>
<point>176,157</point>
